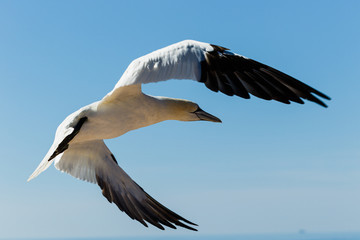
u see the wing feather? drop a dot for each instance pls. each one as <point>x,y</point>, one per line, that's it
<point>219,69</point>
<point>92,161</point>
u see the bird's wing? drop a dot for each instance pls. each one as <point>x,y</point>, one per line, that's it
<point>219,69</point>
<point>92,161</point>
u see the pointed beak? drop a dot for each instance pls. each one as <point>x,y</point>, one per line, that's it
<point>202,115</point>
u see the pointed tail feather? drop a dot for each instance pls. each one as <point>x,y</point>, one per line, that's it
<point>44,164</point>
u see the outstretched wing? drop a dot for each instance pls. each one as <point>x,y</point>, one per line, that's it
<point>92,161</point>
<point>219,69</point>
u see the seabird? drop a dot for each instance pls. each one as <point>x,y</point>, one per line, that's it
<point>79,149</point>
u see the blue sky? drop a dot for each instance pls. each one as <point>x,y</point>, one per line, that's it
<point>268,168</point>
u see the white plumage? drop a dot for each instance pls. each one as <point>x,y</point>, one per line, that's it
<point>80,151</point>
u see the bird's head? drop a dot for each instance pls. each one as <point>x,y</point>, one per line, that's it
<point>184,110</point>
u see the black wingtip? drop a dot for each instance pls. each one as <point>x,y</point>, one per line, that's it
<point>180,224</point>
<point>323,104</point>
<point>320,94</point>
<point>219,48</point>
<point>307,91</point>
<point>234,74</point>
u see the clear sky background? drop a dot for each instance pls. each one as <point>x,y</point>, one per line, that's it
<point>268,168</point>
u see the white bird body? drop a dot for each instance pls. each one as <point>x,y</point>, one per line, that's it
<point>79,149</point>
<point>113,119</point>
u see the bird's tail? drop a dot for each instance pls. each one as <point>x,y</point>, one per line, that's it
<point>42,167</point>
<point>44,164</point>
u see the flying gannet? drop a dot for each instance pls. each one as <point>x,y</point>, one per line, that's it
<point>79,149</point>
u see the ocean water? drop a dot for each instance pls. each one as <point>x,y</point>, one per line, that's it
<point>300,236</point>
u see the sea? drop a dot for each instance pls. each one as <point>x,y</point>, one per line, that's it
<point>299,236</point>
